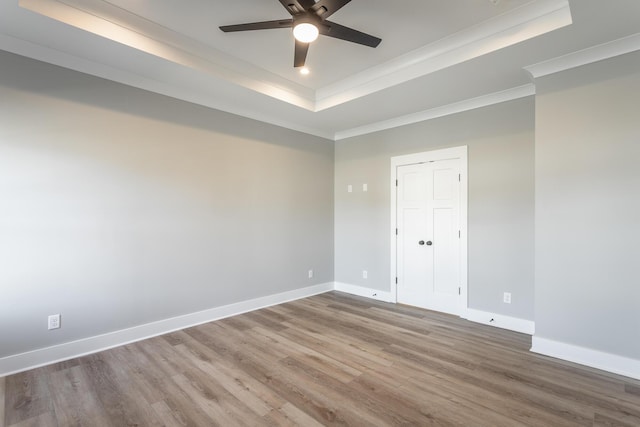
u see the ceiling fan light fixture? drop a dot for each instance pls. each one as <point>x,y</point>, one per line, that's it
<point>308,20</point>
<point>305,32</point>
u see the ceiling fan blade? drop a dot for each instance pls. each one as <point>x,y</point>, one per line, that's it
<point>326,8</point>
<point>265,25</point>
<point>338,31</point>
<point>300,54</point>
<point>297,7</point>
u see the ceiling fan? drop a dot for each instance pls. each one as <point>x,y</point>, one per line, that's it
<point>309,18</point>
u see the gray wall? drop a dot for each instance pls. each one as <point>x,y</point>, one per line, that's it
<point>119,207</point>
<point>501,201</point>
<point>588,206</point>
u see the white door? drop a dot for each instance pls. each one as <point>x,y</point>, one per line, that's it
<point>428,235</point>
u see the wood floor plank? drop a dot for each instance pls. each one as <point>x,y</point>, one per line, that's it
<point>74,400</point>
<point>148,379</point>
<point>2,393</point>
<point>230,384</point>
<point>338,369</point>
<point>229,371</point>
<point>632,389</point>
<point>160,367</point>
<point>353,407</point>
<point>116,392</point>
<point>216,397</point>
<point>213,401</point>
<point>46,419</point>
<point>27,396</point>
<point>163,355</point>
<point>332,359</point>
<point>359,357</point>
<point>507,389</point>
<point>582,398</point>
<point>297,416</point>
<point>616,420</point>
<point>299,390</point>
<point>167,416</point>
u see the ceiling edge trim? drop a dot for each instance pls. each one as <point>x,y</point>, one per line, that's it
<point>446,110</point>
<point>65,60</point>
<point>190,55</point>
<point>524,23</point>
<point>586,56</point>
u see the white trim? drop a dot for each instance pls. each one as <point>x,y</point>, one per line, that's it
<point>106,20</point>
<point>464,230</point>
<point>45,356</point>
<point>428,156</point>
<point>586,56</point>
<point>445,110</point>
<point>501,321</point>
<point>51,56</point>
<point>523,23</point>
<point>102,18</point>
<point>585,356</point>
<point>361,291</point>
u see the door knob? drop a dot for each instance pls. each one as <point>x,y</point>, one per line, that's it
<point>429,243</point>
<point>421,242</point>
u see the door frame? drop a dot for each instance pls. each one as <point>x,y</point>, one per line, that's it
<point>425,157</point>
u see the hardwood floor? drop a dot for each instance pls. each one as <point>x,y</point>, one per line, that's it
<point>331,359</point>
<point>1,401</point>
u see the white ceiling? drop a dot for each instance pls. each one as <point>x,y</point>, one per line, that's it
<point>434,55</point>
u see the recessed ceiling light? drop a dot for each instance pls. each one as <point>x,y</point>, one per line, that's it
<point>304,71</point>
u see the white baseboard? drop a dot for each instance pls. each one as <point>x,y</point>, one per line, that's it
<point>585,356</point>
<point>45,356</point>
<point>501,321</point>
<point>361,291</point>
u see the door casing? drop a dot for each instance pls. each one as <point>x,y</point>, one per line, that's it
<point>424,157</point>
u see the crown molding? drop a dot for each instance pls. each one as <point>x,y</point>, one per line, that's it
<point>586,56</point>
<point>51,56</point>
<point>107,20</point>
<point>35,51</point>
<point>102,18</point>
<point>446,110</point>
<point>523,23</point>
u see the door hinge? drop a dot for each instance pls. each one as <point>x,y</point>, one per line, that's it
<point>459,291</point>
<point>396,231</point>
<point>459,235</point>
<point>396,280</point>
<point>459,178</point>
<point>396,182</point>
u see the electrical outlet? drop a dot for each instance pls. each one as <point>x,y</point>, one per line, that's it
<point>310,274</point>
<point>54,321</point>
<point>365,274</point>
<point>349,188</point>
<point>507,298</point>
<point>365,187</point>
